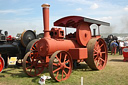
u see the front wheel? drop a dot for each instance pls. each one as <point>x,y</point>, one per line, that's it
<point>33,64</point>
<point>60,65</point>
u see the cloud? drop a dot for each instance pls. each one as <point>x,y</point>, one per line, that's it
<point>106,18</point>
<point>78,9</point>
<point>77,1</point>
<point>126,8</point>
<point>7,11</point>
<point>94,6</point>
<point>17,11</point>
<point>18,25</point>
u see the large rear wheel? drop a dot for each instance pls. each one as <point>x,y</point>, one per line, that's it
<point>97,54</point>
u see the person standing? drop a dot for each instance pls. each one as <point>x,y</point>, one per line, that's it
<point>126,43</point>
<point>114,47</point>
<point>121,44</point>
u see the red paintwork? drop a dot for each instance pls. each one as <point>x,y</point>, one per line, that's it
<point>125,53</point>
<point>57,33</point>
<point>83,33</point>
<point>1,63</point>
<point>78,53</point>
<point>10,38</point>
<point>69,21</point>
<point>55,47</point>
<point>46,20</point>
<point>49,46</point>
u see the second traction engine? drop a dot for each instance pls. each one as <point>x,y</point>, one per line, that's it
<point>57,50</point>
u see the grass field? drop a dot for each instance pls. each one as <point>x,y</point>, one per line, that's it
<point>115,73</point>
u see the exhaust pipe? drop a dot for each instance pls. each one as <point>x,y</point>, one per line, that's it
<point>94,32</point>
<point>46,20</point>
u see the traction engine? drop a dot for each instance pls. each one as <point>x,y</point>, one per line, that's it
<point>57,52</point>
<point>14,48</point>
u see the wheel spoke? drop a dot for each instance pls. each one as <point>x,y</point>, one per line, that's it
<point>65,57</point>
<point>33,48</point>
<point>100,64</point>
<point>30,70</point>
<point>103,52</point>
<point>65,73</point>
<point>102,59</point>
<point>101,45</point>
<point>58,59</point>
<point>67,67</point>
<point>55,64</point>
<point>27,62</point>
<point>96,62</point>
<point>95,50</point>
<point>29,67</point>
<point>57,74</point>
<point>67,61</point>
<point>97,43</point>
<point>56,70</point>
<point>95,58</point>
<point>97,47</point>
<point>94,54</point>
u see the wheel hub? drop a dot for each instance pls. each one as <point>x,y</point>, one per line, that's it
<point>62,65</point>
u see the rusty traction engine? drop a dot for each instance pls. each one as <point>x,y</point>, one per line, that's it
<point>57,52</point>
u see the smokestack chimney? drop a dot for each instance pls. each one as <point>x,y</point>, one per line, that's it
<point>46,19</point>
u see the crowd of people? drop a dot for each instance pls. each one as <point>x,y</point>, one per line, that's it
<point>116,46</point>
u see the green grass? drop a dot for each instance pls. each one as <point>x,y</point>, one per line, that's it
<point>115,73</point>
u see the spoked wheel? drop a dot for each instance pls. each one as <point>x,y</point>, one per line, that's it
<point>1,64</point>
<point>31,44</point>
<point>97,54</point>
<point>60,65</point>
<point>33,64</point>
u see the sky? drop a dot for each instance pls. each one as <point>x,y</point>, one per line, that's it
<point>19,15</point>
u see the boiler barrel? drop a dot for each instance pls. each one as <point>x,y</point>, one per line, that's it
<point>8,49</point>
<point>49,46</point>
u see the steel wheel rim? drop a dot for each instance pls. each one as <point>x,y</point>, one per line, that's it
<point>60,70</point>
<point>100,54</point>
<point>1,64</point>
<point>33,64</point>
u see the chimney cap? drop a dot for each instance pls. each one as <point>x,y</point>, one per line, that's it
<point>45,5</point>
